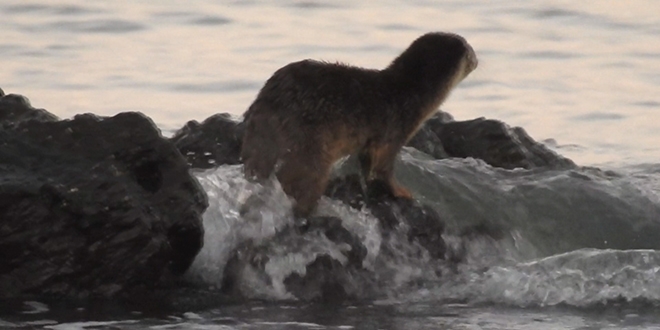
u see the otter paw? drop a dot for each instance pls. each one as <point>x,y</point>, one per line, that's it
<point>401,192</point>
<point>382,189</point>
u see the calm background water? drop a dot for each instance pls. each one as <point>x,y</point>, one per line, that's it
<point>581,76</point>
<point>583,73</point>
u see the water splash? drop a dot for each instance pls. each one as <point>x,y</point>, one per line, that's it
<point>251,217</point>
<point>534,211</point>
<point>226,228</point>
<point>581,278</point>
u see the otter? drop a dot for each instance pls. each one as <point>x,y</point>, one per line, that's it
<point>310,114</point>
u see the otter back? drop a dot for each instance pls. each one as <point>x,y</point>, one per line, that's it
<point>309,114</point>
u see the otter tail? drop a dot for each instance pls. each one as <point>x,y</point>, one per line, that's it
<point>261,145</point>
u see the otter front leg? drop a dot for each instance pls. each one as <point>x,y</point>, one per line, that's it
<point>377,164</point>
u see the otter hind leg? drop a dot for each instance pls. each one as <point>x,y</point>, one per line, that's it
<point>377,164</point>
<point>261,146</point>
<point>304,177</point>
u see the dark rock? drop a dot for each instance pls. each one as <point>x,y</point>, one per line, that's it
<point>423,224</point>
<point>489,140</point>
<point>441,117</point>
<point>92,206</point>
<point>349,189</point>
<point>325,278</point>
<point>323,281</point>
<point>332,228</point>
<point>216,141</point>
<point>426,139</point>
<point>428,142</point>
<point>15,109</point>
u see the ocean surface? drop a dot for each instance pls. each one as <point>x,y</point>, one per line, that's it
<point>580,249</point>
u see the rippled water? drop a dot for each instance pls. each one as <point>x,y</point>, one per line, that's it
<point>585,75</point>
<point>581,76</point>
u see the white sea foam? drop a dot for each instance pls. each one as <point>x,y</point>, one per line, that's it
<point>538,213</point>
<point>224,225</point>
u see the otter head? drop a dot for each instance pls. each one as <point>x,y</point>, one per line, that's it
<point>437,59</point>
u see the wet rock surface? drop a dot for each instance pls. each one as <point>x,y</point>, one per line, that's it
<point>16,109</point>
<point>325,275</point>
<point>91,206</point>
<point>489,140</point>
<point>427,141</point>
<point>216,141</point>
<point>98,206</point>
<point>421,223</point>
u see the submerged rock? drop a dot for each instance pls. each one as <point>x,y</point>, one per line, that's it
<point>319,259</point>
<point>216,141</point>
<point>91,206</point>
<point>313,261</point>
<point>421,223</point>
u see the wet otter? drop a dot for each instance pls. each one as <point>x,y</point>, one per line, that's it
<point>310,114</point>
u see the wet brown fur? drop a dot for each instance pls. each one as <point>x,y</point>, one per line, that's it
<point>310,114</point>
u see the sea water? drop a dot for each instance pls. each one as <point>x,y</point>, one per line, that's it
<point>581,247</point>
